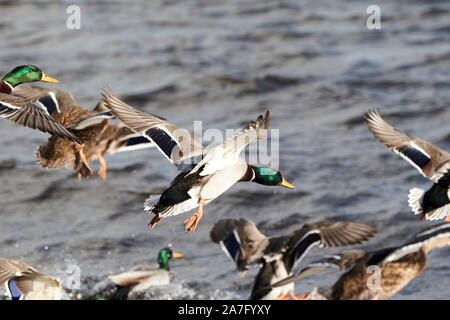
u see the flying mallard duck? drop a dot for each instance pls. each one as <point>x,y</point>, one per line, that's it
<point>144,277</point>
<point>247,246</point>
<point>432,162</point>
<point>26,112</point>
<point>201,179</point>
<point>397,267</point>
<point>23,282</point>
<point>92,127</point>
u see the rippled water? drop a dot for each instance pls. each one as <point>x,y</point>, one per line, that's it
<point>315,66</point>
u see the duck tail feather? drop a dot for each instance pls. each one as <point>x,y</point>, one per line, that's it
<point>151,202</point>
<point>414,200</point>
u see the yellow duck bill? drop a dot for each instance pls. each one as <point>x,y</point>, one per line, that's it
<point>286,184</point>
<point>176,255</point>
<point>46,78</point>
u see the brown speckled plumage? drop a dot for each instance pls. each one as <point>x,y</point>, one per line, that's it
<point>378,274</point>
<point>394,276</point>
<point>59,152</point>
<point>96,139</point>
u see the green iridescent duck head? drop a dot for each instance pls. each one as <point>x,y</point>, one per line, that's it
<point>270,177</point>
<point>165,255</point>
<point>25,74</point>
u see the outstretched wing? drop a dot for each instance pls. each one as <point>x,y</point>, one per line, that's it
<point>430,237</point>
<point>176,144</point>
<point>51,99</point>
<point>428,159</point>
<point>35,286</point>
<point>310,270</point>
<point>228,152</point>
<point>127,140</point>
<point>327,234</point>
<point>341,261</point>
<point>32,115</point>
<point>93,120</point>
<point>23,281</point>
<point>12,268</point>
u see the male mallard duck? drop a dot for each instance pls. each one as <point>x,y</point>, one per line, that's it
<point>23,282</point>
<point>397,267</point>
<point>92,127</point>
<point>26,112</point>
<point>200,180</point>
<point>246,246</point>
<point>141,278</point>
<point>432,162</point>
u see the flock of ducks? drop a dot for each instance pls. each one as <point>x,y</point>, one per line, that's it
<point>79,136</point>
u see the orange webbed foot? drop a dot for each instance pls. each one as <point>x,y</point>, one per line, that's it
<point>83,169</point>
<point>153,222</point>
<point>191,223</point>
<point>447,219</point>
<point>282,297</point>
<point>300,296</point>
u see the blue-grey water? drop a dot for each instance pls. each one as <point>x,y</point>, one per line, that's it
<point>314,65</point>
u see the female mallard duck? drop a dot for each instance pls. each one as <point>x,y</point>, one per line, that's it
<point>397,267</point>
<point>201,179</point>
<point>144,277</point>
<point>24,111</point>
<point>432,162</point>
<point>92,127</point>
<point>246,246</point>
<point>115,138</point>
<point>23,282</point>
